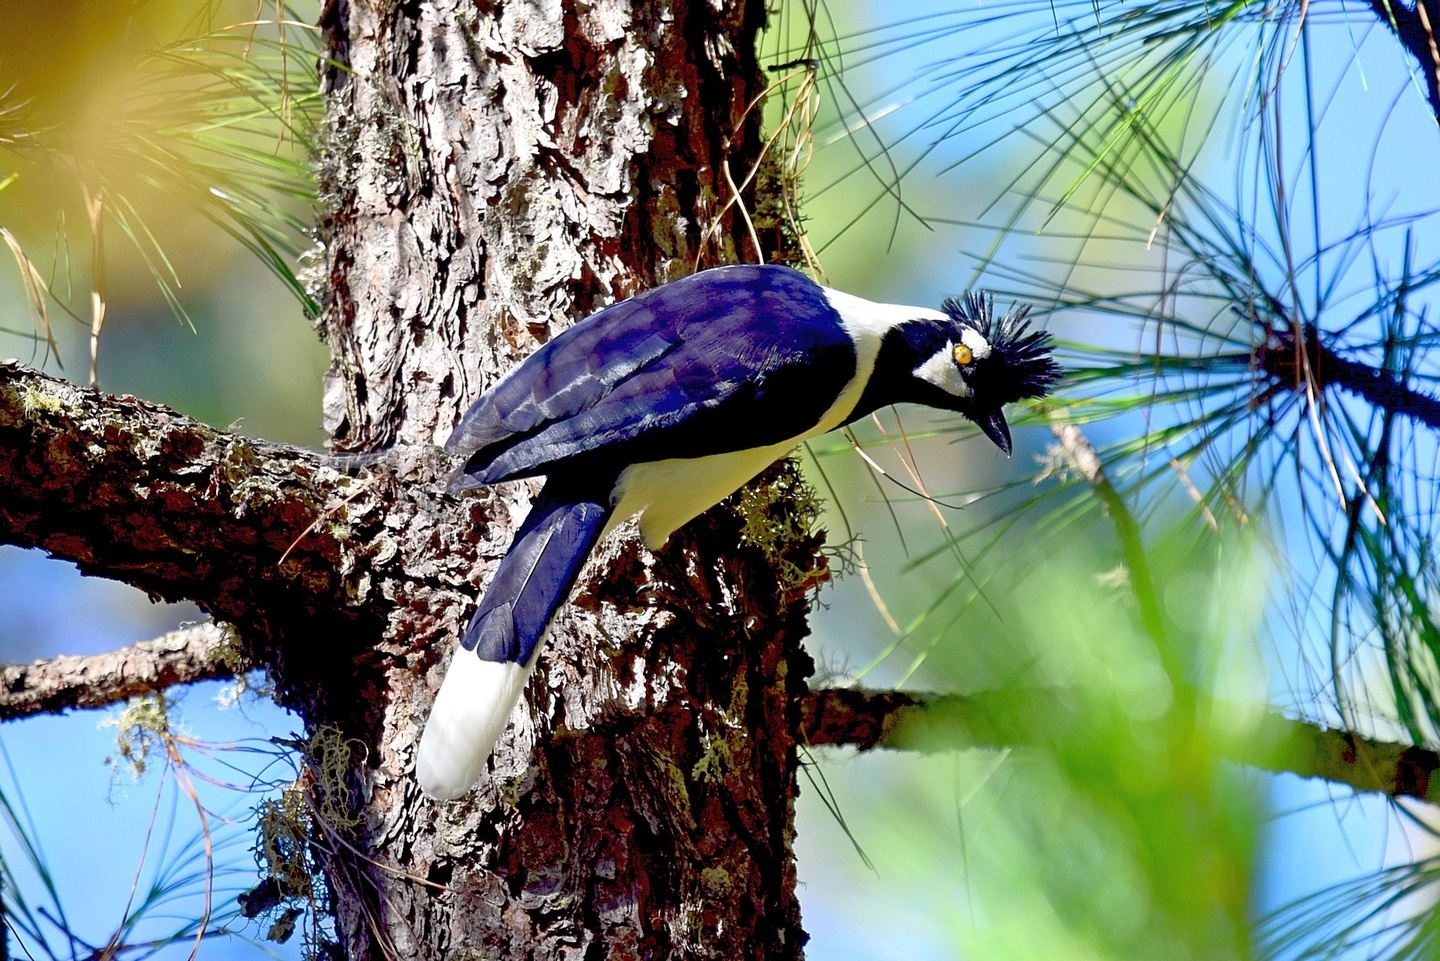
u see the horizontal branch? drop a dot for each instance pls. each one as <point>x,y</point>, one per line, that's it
<point>307,563</point>
<point>142,494</point>
<point>903,720</point>
<point>1376,386</point>
<point>917,721</point>
<point>197,652</point>
<point>1343,757</point>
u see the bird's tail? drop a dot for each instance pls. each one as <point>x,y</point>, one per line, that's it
<point>503,641</point>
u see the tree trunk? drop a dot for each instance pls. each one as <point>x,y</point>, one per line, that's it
<point>492,173</point>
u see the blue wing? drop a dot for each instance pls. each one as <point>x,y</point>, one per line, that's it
<point>683,370</point>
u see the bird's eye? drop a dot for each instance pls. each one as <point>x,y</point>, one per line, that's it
<point>964,356</point>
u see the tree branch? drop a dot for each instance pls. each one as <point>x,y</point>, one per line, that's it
<point>139,493</point>
<point>1378,387</point>
<point>904,720</point>
<point>197,652</point>
<point>264,536</point>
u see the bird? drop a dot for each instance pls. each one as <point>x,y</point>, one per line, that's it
<point>664,404</point>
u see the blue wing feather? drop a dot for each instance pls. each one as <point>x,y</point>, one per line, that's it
<point>679,371</point>
<point>536,573</point>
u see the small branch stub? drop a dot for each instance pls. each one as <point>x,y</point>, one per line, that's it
<point>196,652</point>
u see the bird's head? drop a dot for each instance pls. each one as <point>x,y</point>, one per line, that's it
<point>975,363</point>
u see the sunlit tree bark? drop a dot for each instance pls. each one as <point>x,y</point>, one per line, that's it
<point>493,173</point>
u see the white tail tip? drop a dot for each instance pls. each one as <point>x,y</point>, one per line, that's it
<point>468,717</point>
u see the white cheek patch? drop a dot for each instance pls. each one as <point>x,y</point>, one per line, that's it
<point>942,371</point>
<point>978,345</point>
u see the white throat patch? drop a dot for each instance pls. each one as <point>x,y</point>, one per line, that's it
<point>942,371</point>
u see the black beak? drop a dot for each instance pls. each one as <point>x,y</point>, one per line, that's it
<point>995,428</point>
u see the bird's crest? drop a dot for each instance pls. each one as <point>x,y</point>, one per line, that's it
<point>1020,364</point>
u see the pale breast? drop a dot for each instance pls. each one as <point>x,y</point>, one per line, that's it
<point>667,493</point>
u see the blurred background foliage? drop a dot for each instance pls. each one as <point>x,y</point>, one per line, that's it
<point>1189,193</point>
<point>156,200</point>
<point>1226,213</point>
<point>136,140</point>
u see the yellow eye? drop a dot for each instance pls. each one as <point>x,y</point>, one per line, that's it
<point>964,356</point>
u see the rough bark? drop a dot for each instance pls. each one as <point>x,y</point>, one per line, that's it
<point>494,173</point>
<point>264,536</point>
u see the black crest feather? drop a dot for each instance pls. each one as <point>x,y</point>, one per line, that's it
<point>1020,363</point>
